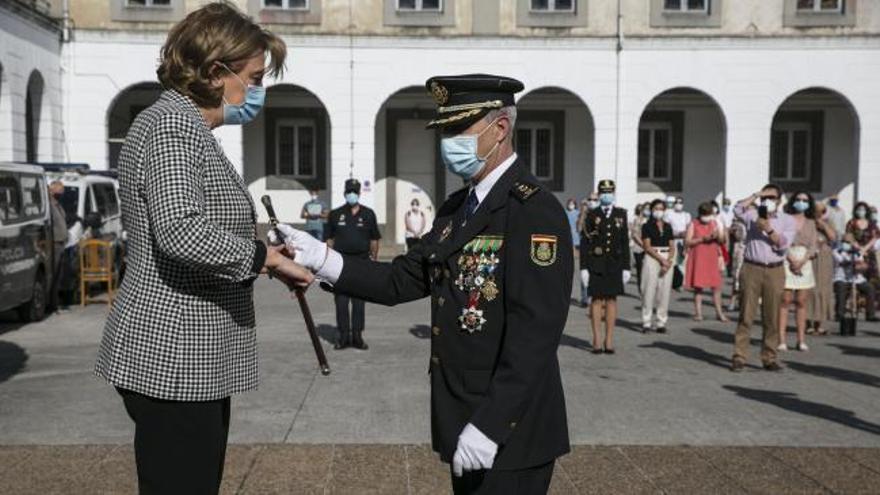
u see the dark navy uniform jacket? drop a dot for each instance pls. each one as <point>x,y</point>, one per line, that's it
<point>605,241</point>
<point>494,366</point>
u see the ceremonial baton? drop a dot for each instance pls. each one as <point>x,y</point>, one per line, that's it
<point>300,295</point>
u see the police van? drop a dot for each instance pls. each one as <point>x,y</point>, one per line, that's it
<point>25,241</point>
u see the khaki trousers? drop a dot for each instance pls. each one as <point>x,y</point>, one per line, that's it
<point>655,291</point>
<point>767,284</point>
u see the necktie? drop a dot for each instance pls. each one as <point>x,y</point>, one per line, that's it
<point>470,206</point>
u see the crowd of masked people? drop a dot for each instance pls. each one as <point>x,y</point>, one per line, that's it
<point>784,252</point>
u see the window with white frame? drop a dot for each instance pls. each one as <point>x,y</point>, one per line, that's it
<point>148,3</point>
<point>534,145</point>
<point>655,151</point>
<point>286,4</point>
<point>296,148</point>
<point>552,5</point>
<point>420,5</point>
<point>820,6</point>
<point>791,151</point>
<point>686,6</point>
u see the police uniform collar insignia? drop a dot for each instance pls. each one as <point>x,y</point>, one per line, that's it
<point>543,249</point>
<point>524,190</point>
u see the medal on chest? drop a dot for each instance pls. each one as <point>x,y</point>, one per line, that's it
<point>476,277</point>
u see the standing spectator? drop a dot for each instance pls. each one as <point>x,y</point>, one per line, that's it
<point>572,212</point>
<point>589,203</point>
<point>415,222</point>
<point>704,240</point>
<point>820,307</point>
<point>799,277</point>
<point>737,235</point>
<point>679,220</point>
<point>606,238</point>
<point>726,214</point>
<point>836,216</point>
<point>865,235</point>
<point>849,268</point>
<point>768,235</point>
<point>635,239</point>
<point>352,230</point>
<point>315,213</point>
<point>59,239</point>
<point>656,284</point>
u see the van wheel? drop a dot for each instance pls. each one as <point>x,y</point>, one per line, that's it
<point>35,309</point>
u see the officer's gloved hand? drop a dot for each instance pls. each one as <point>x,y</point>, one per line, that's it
<point>475,451</point>
<point>307,251</point>
<point>627,275</point>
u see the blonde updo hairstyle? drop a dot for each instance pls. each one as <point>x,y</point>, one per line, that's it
<point>216,32</point>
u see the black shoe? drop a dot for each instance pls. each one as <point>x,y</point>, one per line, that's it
<point>342,341</point>
<point>647,329</point>
<point>661,330</point>
<point>357,341</point>
<point>737,366</point>
<point>609,351</point>
<point>598,350</point>
<point>772,366</point>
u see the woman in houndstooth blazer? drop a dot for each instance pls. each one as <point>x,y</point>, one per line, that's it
<point>180,338</point>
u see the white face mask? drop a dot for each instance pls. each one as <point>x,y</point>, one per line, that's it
<point>657,214</point>
<point>594,203</point>
<point>706,218</point>
<point>770,205</point>
<point>679,207</point>
<point>314,197</point>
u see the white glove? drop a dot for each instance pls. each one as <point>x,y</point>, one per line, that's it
<point>475,451</point>
<point>585,277</point>
<point>308,251</point>
<point>627,275</point>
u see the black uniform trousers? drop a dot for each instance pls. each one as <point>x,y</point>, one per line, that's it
<point>531,481</point>
<point>179,447</point>
<point>349,322</point>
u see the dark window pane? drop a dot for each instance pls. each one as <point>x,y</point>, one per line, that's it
<point>779,155</point>
<point>564,4</point>
<point>540,4</point>
<point>272,3</point>
<point>661,153</point>
<point>286,150</point>
<point>430,4</point>
<point>830,5</point>
<point>306,151</point>
<point>644,153</point>
<point>524,146</point>
<point>696,4</point>
<point>32,198</point>
<point>800,154</point>
<point>10,198</point>
<point>161,2</point>
<point>297,4</point>
<point>805,5</point>
<point>672,4</point>
<point>543,167</point>
<point>136,2</point>
<point>406,4</point>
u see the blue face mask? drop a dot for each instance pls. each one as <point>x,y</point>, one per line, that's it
<point>352,198</point>
<point>800,206</point>
<point>606,199</point>
<point>255,97</point>
<point>460,155</point>
<point>845,246</point>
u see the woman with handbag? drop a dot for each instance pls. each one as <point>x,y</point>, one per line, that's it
<point>703,241</point>
<point>799,277</point>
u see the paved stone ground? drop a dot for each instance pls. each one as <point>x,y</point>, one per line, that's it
<point>635,410</point>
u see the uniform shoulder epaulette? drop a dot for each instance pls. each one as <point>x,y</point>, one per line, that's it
<point>524,190</point>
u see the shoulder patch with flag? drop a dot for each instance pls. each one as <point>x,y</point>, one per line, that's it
<point>543,249</point>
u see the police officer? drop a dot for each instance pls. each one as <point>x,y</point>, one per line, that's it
<point>606,256</point>
<point>497,265</point>
<point>352,230</point>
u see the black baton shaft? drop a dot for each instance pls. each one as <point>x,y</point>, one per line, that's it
<point>300,296</point>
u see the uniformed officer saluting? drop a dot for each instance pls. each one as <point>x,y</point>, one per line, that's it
<point>498,267</point>
<point>605,244</point>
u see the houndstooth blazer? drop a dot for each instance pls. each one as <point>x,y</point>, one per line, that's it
<point>182,327</point>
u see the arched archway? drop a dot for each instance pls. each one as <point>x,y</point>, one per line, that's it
<point>33,115</point>
<point>286,150</point>
<point>122,111</point>
<point>407,162</point>
<point>555,137</point>
<point>682,147</point>
<point>814,141</point>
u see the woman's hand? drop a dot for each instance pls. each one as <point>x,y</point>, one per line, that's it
<point>286,269</point>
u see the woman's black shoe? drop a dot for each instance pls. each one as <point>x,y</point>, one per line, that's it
<point>661,330</point>
<point>598,350</point>
<point>609,351</point>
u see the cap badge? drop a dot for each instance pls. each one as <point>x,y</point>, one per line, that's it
<point>440,93</point>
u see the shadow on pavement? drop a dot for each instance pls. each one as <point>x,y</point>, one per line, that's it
<point>789,401</point>
<point>873,334</point>
<point>9,322</point>
<point>853,350</point>
<point>327,333</point>
<point>692,352</point>
<point>12,360</point>
<point>720,336</point>
<point>576,342</point>
<point>420,331</point>
<point>832,372</point>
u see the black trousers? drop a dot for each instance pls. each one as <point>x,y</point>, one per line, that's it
<point>531,481</point>
<point>346,321</point>
<point>639,257</point>
<point>842,291</point>
<point>179,447</point>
